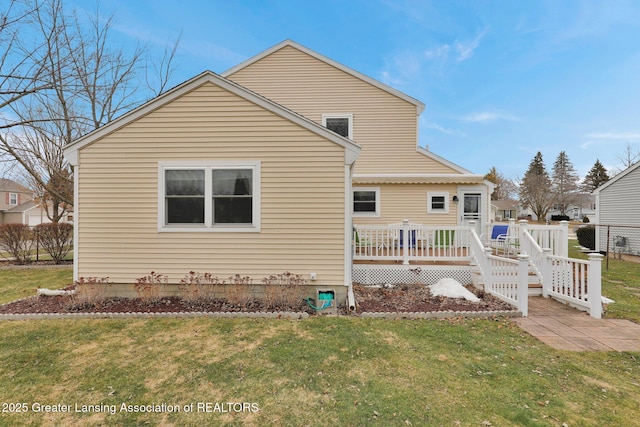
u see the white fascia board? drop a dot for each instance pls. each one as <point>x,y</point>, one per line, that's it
<point>419,175</point>
<point>442,160</point>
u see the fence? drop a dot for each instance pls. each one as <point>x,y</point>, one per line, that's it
<point>22,244</point>
<point>620,242</point>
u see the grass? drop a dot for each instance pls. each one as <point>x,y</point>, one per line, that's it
<point>621,283</point>
<point>16,283</point>
<point>320,371</point>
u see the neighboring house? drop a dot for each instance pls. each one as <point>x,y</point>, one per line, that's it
<point>32,214</point>
<point>504,210</point>
<point>255,173</point>
<point>585,206</point>
<point>12,196</point>
<point>618,206</point>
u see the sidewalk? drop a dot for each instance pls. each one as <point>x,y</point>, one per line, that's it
<point>566,328</point>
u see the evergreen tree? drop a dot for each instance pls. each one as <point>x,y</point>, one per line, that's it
<point>535,188</point>
<point>595,178</point>
<point>564,183</point>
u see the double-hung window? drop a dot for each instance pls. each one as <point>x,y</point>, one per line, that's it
<point>366,201</point>
<point>220,196</point>
<point>13,199</point>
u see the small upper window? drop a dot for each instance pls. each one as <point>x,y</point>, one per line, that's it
<point>13,199</point>
<point>438,203</point>
<point>342,124</point>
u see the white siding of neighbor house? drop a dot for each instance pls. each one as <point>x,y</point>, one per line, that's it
<point>384,125</point>
<point>618,204</point>
<point>302,194</point>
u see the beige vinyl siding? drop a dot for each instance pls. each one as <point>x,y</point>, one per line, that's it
<point>14,218</point>
<point>302,201</point>
<point>384,125</point>
<point>399,202</point>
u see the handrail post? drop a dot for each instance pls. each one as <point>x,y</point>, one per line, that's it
<point>405,241</point>
<point>547,273</point>
<point>523,284</point>
<point>594,285</point>
<point>487,268</point>
<point>563,250</point>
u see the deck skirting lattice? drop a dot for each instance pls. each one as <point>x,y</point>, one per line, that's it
<point>409,274</point>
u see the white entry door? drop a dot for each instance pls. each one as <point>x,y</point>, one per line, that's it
<point>472,209</point>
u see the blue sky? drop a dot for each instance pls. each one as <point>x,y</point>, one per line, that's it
<point>501,80</point>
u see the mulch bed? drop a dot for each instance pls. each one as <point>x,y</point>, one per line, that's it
<point>418,299</point>
<point>390,299</point>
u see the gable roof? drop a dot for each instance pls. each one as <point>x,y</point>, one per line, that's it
<point>617,177</point>
<point>11,186</point>
<point>290,43</point>
<point>26,206</point>
<point>505,204</point>
<point>71,150</point>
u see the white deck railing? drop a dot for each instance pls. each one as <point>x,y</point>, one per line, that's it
<point>575,281</point>
<point>507,280</point>
<point>408,242</point>
<point>542,250</point>
<point>554,237</point>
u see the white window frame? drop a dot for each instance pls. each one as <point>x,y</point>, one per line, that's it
<point>339,116</point>
<point>13,199</point>
<point>431,195</point>
<point>367,214</point>
<point>208,225</point>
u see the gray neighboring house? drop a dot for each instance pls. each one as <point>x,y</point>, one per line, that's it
<point>618,206</point>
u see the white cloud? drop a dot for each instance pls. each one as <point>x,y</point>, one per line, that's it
<point>438,52</point>
<point>488,116</point>
<point>435,126</point>
<point>623,136</point>
<point>465,51</point>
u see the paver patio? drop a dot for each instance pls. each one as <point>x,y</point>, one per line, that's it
<point>565,328</point>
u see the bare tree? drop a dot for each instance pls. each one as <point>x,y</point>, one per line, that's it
<point>505,189</point>
<point>535,188</point>
<point>20,75</point>
<point>629,157</point>
<point>69,78</point>
<point>158,81</point>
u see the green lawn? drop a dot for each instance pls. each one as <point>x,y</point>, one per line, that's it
<point>320,371</point>
<point>621,283</point>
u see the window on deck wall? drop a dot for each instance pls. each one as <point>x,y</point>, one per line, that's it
<point>366,201</point>
<point>217,197</point>
<point>437,202</point>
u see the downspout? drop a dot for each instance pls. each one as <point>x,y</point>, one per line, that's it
<point>351,300</point>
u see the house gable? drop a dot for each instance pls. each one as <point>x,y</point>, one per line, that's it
<point>71,150</point>
<point>303,177</point>
<point>384,119</point>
